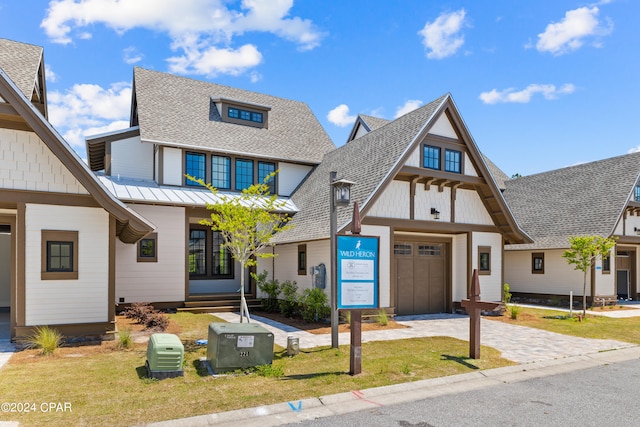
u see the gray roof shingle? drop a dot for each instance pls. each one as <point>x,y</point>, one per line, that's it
<point>368,161</point>
<point>586,199</point>
<point>21,62</point>
<point>176,110</point>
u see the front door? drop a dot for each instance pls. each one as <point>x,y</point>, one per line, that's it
<point>421,279</point>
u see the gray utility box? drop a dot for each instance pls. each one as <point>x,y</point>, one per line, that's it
<point>234,346</point>
<point>165,354</point>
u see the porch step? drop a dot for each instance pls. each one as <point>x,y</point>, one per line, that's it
<point>218,306</point>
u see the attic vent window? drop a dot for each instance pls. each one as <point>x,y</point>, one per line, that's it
<point>250,116</point>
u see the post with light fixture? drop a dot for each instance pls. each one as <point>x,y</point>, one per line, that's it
<point>339,195</point>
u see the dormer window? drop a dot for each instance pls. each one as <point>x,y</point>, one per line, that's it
<point>242,113</point>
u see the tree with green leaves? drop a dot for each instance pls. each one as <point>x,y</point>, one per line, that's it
<point>247,222</point>
<point>583,253</point>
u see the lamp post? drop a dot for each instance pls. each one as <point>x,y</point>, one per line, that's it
<point>339,195</point>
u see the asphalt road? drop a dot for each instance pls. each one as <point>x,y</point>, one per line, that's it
<point>603,396</point>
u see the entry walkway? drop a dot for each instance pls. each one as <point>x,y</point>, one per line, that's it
<point>520,344</point>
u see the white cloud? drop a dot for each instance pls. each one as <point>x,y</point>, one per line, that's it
<point>131,55</point>
<point>408,106</point>
<point>88,109</point>
<point>339,116</point>
<point>50,75</point>
<point>211,24</point>
<point>211,61</point>
<point>635,149</point>
<point>442,37</point>
<point>510,95</point>
<point>576,28</point>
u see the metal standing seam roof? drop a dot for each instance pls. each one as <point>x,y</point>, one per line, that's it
<point>149,192</point>
<point>21,62</point>
<point>586,199</point>
<point>178,110</point>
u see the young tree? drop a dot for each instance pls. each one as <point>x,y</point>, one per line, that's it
<point>247,222</point>
<point>584,252</point>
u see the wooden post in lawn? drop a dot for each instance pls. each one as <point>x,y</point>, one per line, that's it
<point>355,358</point>
<point>474,306</point>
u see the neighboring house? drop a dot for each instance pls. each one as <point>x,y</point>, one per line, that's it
<point>423,188</point>
<point>599,198</point>
<point>229,137</point>
<point>58,224</point>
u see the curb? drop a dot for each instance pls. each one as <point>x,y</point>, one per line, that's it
<point>357,400</point>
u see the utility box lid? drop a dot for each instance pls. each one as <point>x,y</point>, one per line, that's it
<point>165,352</point>
<point>238,345</point>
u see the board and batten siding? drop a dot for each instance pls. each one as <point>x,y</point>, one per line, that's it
<point>459,273</point>
<point>131,158</point>
<point>85,300</point>
<point>490,284</point>
<point>172,166</point>
<point>559,278</point>
<point>5,270</point>
<point>26,163</point>
<point>161,281</point>
<point>290,175</point>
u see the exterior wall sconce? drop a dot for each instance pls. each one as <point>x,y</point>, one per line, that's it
<point>637,230</point>
<point>435,213</point>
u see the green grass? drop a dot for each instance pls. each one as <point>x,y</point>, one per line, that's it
<point>106,385</point>
<point>600,327</point>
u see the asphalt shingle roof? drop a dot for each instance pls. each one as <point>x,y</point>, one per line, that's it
<point>176,110</point>
<point>21,62</point>
<point>367,161</point>
<point>586,199</point>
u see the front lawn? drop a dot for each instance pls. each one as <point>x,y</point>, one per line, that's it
<point>106,386</point>
<point>601,327</point>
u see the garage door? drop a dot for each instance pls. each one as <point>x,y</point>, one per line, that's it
<point>420,277</point>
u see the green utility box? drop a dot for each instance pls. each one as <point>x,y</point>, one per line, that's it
<point>233,346</point>
<point>165,354</point>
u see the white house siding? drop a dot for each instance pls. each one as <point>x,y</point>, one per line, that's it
<point>132,158</point>
<point>161,281</point>
<point>26,163</point>
<point>469,169</point>
<point>290,176</point>
<point>5,270</point>
<point>285,265</point>
<point>84,300</point>
<point>432,198</point>
<point>172,166</point>
<point>470,209</point>
<point>490,284</point>
<point>559,278</point>
<point>605,282</point>
<point>393,202</point>
<point>442,127</point>
<point>459,267</point>
<point>415,158</point>
<point>628,227</point>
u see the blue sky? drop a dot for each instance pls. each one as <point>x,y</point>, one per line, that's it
<point>541,85</point>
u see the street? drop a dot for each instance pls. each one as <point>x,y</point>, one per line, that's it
<point>605,395</point>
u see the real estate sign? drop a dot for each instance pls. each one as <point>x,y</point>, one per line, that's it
<point>358,265</point>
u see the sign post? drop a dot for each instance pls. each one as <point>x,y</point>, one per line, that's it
<point>474,307</point>
<point>358,287</point>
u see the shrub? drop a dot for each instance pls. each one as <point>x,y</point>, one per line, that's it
<point>45,338</point>
<point>514,311</point>
<point>506,294</point>
<point>382,317</point>
<point>269,287</point>
<point>124,339</point>
<point>139,311</point>
<point>144,314</point>
<point>347,316</point>
<point>289,304</point>
<point>157,321</point>
<point>315,305</point>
